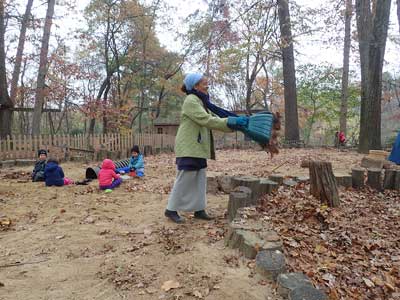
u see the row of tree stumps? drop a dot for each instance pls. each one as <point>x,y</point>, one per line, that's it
<point>256,239</point>
<point>324,186</point>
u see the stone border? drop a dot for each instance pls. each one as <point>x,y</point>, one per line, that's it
<point>259,241</point>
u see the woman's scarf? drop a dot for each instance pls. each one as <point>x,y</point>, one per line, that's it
<point>205,98</point>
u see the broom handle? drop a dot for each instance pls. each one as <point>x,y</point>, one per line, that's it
<point>276,168</point>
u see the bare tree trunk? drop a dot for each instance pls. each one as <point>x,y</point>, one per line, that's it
<point>372,31</point>
<point>105,119</point>
<point>346,59</point>
<point>40,88</point>
<point>363,11</point>
<point>398,13</point>
<point>5,101</point>
<point>20,50</point>
<point>289,73</point>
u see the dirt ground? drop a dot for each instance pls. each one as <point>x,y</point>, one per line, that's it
<point>76,242</point>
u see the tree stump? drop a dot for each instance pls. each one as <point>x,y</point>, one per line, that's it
<point>307,292</point>
<point>212,184</point>
<point>266,187</point>
<point>278,178</point>
<point>374,179</point>
<point>252,183</point>
<point>287,282</point>
<point>372,163</point>
<point>358,177</point>
<point>270,263</point>
<point>389,179</point>
<point>225,183</point>
<point>323,183</point>
<point>289,183</point>
<point>237,200</point>
<point>344,180</point>
<point>396,185</point>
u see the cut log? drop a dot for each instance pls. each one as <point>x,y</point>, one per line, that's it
<point>287,282</point>
<point>302,179</point>
<point>289,183</point>
<point>278,178</point>
<point>372,163</point>
<point>344,180</point>
<point>266,187</point>
<point>237,200</point>
<point>270,264</point>
<point>374,179</point>
<point>212,184</point>
<point>323,183</point>
<point>396,185</point>
<point>24,162</point>
<point>252,183</point>
<point>8,163</point>
<point>358,177</point>
<point>225,183</point>
<point>390,177</point>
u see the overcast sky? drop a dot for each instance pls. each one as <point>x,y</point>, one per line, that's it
<point>309,51</point>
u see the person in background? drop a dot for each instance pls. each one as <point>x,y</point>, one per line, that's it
<point>54,174</point>
<point>342,139</point>
<point>108,179</point>
<point>38,170</point>
<point>136,163</point>
<point>395,154</point>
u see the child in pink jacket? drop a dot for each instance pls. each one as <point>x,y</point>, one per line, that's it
<point>108,179</point>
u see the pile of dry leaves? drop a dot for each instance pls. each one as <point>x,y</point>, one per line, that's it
<point>352,252</point>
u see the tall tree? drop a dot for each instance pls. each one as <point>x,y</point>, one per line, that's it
<point>289,75</point>
<point>398,13</point>
<point>372,27</point>
<point>345,72</point>
<point>20,50</point>
<point>41,78</point>
<point>5,101</point>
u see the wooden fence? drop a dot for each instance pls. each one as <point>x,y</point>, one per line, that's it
<point>26,147</point>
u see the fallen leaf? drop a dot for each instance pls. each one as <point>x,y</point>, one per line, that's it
<point>59,237</point>
<point>170,284</point>
<point>5,222</point>
<point>147,232</point>
<point>368,282</point>
<point>320,249</point>
<point>197,294</point>
<point>151,290</point>
<point>390,287</point>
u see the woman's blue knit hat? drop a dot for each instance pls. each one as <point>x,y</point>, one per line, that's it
<point>191,80</point>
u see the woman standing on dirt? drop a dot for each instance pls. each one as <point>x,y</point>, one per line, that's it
<point>194,144</point>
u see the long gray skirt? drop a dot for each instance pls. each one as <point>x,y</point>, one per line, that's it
<point>189,191</point>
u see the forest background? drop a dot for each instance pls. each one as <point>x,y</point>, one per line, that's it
<point>104,66</point>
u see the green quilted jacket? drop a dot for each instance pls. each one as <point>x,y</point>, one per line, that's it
<point>194,137</point>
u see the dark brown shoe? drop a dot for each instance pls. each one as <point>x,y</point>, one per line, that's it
<point>201,214</point>
<point>174,216</point>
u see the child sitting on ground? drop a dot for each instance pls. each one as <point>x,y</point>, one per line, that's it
<point>108,179</point>
<point>54,174</point>
<point>38,170</point>
<point>136,164</point>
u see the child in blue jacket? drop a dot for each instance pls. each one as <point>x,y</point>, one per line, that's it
<point>136,163</point>
<point>54,174</point>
